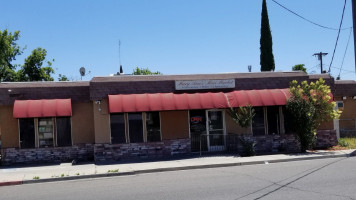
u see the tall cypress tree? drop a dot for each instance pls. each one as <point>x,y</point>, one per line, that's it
<point>266,57</point>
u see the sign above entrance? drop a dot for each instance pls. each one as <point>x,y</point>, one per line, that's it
<point>205,84</point>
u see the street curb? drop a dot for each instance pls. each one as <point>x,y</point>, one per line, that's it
<point>145,171</point>
<point>68,178</point>
<point>8,183</point>
<point>310,158</point>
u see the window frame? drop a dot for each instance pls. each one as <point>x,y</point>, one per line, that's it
<point>144,127</point>
<point>340,103</point>
<point>265,122</point>
<point>281,121</point>
<point>125,131</point>
<point>145,138</point>
<point>71,131</point>
<point>36,131</point>
<point>128,127</point>
<point>19,129</point>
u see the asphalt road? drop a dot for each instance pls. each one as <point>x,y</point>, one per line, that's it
<point>313,179</point>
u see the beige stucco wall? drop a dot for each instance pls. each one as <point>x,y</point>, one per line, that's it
<point>101,122</point>
<point>348,115</point>
<point>9,128</point>
<point>233,128</point>
<point>82,123</point>
<point>349,110</point>
<point>174,125</point>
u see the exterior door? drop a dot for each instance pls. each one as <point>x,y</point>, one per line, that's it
<point>215,130</point>
<point>198,134</point>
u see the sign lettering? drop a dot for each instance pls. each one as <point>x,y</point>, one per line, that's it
<point>205,84</point>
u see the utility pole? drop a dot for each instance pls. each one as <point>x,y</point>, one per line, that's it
<point>354,25</point>
<point>320,57</point>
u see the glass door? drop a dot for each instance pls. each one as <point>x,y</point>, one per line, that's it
<point>198,134</point>
<point>216,130</point>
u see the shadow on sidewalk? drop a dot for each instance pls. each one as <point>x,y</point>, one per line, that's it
<point>24,165</point>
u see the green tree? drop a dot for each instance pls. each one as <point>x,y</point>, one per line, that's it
<point>144,71</point>
<point>9,49</point>
<point>266,57</point>
<point>32,69</point>
<point>309,106</point>
<point>62,77</point>
<point>299,67</point>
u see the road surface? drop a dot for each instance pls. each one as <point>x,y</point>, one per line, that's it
<point>314,179</point>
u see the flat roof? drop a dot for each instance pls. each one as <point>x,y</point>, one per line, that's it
<point>127,78</point>
<point>44,84</point>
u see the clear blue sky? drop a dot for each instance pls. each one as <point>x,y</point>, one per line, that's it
<point>178,37</point>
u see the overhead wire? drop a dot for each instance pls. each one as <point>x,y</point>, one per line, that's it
<point>347,45</point>
<point>348,73</point>
<point>338,34</point>
<point>325,27</point>
<point>311,71</point>
<point>346,70</point>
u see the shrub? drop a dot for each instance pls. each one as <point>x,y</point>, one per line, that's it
<point>248,147</point>
<point>309,106</point>
<point>343,143</point>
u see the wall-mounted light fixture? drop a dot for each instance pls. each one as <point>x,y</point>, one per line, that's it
<point>13,93</point>
<point>99,103</point>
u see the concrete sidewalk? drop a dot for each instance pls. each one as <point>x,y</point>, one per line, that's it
<point>66,171</point>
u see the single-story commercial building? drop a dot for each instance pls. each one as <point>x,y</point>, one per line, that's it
<point>126,116</point>
<point>345,98</point>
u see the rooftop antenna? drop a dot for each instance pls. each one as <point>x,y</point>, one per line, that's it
<point>119,53</point>
<point>121,70</point>
<point>82,72</point>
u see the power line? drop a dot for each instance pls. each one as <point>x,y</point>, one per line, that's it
<point>338,34</point>
<point>348,41</point>
<point>344,69</point>
<point>348,73</point>
<point>306,18</point>
<point>311,69</point>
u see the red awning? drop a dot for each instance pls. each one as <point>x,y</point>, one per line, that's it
<point>268,97</point>
<point>42,108</point>
<point>165,101</point>
<point>171,101</point>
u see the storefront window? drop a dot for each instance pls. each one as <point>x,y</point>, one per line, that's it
<point>258,125</point>
<point>45,132</point>
<point>64,137</point>
<point>135,127</point>
<point>153,127</point>
<point>117,124</point>
<point>287,121</point>
<point>27,133</point>
<point>273,120</point>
